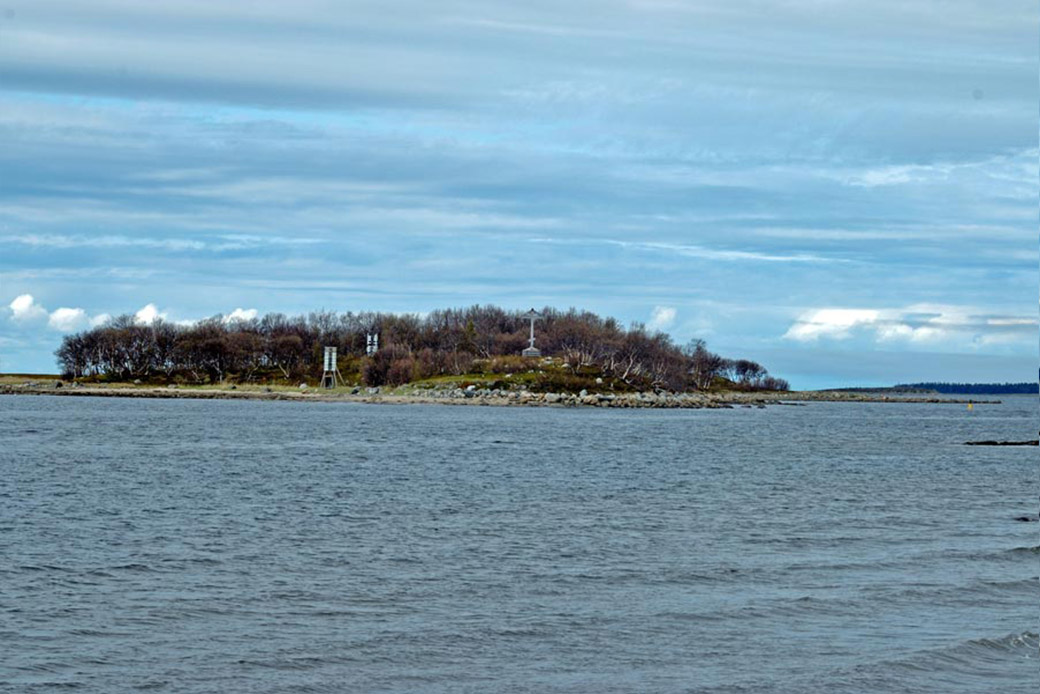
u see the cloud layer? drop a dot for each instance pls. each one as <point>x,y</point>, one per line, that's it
<point>662,318</point>
<point>743,164</point>
<point>24,310</point>
<point>953,327</point>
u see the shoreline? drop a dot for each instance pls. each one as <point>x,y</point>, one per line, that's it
<point>473,397</point>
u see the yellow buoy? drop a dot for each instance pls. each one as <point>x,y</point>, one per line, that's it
<point>970,407</point>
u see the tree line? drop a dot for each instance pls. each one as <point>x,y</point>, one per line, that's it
<point>973,388</point>
<point>412,347</point>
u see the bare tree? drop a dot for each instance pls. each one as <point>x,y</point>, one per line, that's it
<point>441,342</point>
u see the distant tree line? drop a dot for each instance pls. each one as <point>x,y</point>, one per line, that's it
<point>974,388</point>
<point>412,347</point>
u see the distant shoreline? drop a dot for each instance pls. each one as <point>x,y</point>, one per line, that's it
<point>713,400</point>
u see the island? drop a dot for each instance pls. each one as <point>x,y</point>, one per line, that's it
<point>482,355</point>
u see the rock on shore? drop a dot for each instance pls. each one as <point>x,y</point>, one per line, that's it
<point>473,395</point>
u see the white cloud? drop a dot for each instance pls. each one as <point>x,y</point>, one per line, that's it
<point>68,320</point>
<point>897,175</point>
<point>835,323</point>
<point>25,308</point>
<point>661,317</point>
<point>915,324</point>
<point>241,314</point>
<point>1006,170</point>
<point>691,251</point>
<point>701,252</point>
<point>148,314</point>
<point>224,242</point>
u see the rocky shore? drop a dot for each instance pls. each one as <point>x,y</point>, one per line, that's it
<point>471,396</point>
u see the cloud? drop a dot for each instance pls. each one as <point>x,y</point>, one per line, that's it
<point>692,251</point>
<point>916,324</point>
<point>769,177</point>
<point>217,244</point>
<point>1014,172</point>
<point>695,251</point>
<point>25,308</point>
<point>68,320</point>
<point>241,314</point>
<point>661,318</point>
<point>835,323</point>
<point>148,314</point>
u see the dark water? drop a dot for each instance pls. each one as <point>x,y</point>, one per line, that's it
<point>208,546</point>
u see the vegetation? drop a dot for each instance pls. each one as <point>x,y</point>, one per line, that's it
<point>479,344</point>
<point>974,388</point>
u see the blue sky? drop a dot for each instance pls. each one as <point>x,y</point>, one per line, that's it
<point>845,191</point>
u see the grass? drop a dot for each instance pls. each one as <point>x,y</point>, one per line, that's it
<point>502,373</point>
<point>18,379</point>
<point>545,375</point>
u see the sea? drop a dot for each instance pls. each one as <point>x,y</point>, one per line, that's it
<point>198,546</point>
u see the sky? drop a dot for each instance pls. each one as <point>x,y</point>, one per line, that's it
<point>844,191</point>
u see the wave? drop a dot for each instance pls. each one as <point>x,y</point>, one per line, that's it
<point>866,602</point>
<point>971,592</point>
<point>973,655</point>
<point>137,568</point>
<point>981,664</point>
<point>1026,551</point>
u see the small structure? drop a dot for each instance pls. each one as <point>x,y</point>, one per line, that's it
<point>372,345</point>
<point>531,350</point>
<point>330,372</point>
